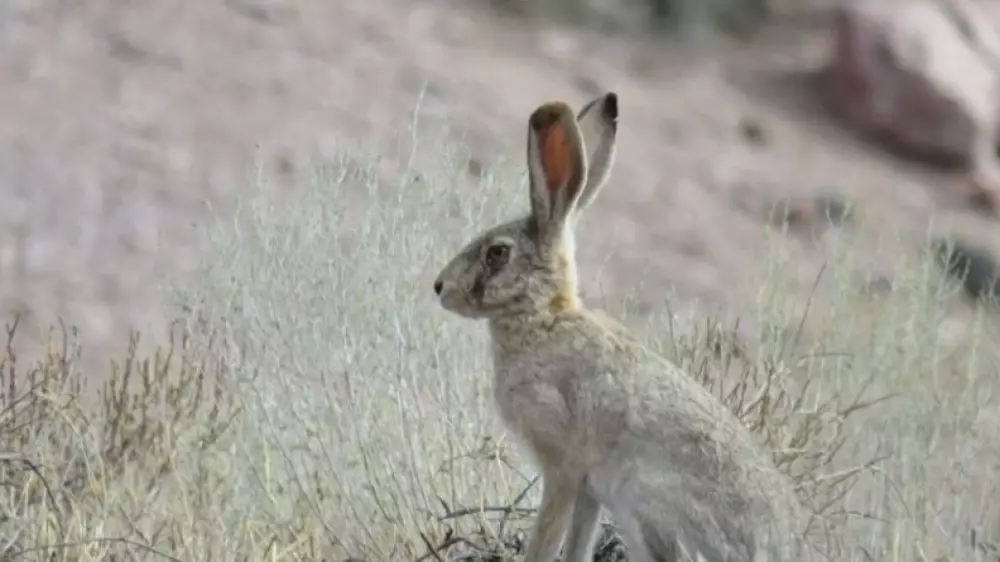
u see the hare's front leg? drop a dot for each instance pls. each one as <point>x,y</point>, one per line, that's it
<point>558,498</point>
<point>583,529</point>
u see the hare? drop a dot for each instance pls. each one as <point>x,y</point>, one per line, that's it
<point>608,422</point>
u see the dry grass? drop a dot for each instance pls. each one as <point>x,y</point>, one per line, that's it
<point>317,404</point>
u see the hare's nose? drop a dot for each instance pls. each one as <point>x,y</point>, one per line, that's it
<point>438,285</point>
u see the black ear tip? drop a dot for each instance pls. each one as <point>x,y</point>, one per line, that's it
<point>611,106</point>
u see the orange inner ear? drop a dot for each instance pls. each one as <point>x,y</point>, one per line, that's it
<point>556,158</point>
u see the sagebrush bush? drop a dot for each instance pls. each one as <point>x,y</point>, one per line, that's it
<point>317,404</point>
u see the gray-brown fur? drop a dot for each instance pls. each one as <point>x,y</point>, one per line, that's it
<point>608,422</point>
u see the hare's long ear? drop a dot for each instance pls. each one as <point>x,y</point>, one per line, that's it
<point>598,122</point>
<point>557,165</point>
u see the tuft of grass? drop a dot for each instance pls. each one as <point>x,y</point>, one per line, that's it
<point>79,477</point>
<point>316,404</point>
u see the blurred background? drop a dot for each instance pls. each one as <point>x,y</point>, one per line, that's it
<point>123,121</point>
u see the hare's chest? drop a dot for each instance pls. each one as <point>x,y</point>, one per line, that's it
<point>510,398</point>
<point>521,418</point>
<point>504,400</point>
<point>534,412</point>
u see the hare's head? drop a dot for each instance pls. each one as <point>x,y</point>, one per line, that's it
<point>527,265</point>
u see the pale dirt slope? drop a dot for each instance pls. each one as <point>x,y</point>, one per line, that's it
<point>118,119</point>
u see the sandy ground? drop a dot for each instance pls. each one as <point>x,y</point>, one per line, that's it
<point>120,119</point>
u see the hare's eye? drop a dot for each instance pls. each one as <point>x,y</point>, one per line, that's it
<point>497,255</point>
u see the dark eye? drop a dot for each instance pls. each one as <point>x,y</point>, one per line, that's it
<point>497,255</point>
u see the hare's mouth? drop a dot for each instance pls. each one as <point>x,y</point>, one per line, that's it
<point>457,303</point>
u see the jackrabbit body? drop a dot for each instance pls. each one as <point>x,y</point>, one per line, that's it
<point>608,422</point>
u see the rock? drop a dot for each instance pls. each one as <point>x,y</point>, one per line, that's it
<point>921,75</point>
<point>836,209</point>
<point>752,131</point>
<point>734,16</point>
<point>876,284</point>
<point>984,183</point>
<point>475,168</point>
<point>975,267</point>
<point>814,213</point>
